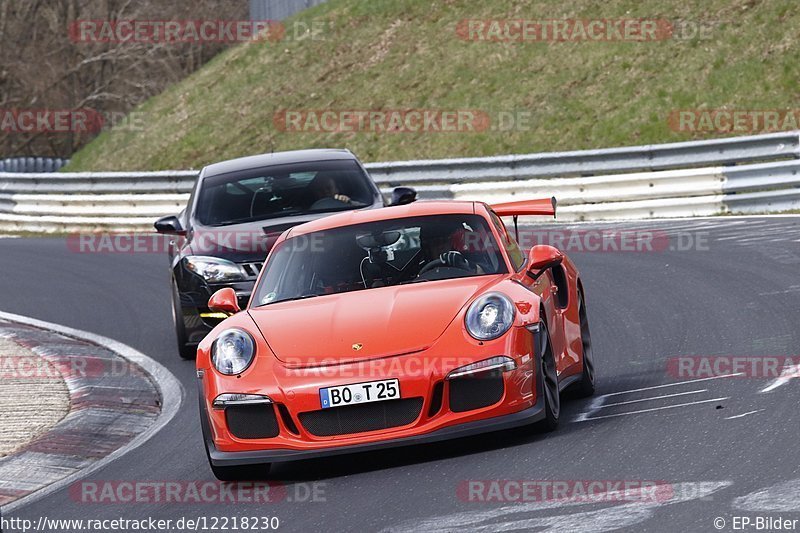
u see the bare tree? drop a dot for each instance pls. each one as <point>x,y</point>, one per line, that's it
<point>44,67</point>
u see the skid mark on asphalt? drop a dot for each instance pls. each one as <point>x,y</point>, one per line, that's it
<point>734,417</point>
<point>640,411</point>
<point>600,403</point>
<point>790,289</point>
<point>788,373</point>
<point>656,398</point>
<point>783,497</point>
<point>517,517</point>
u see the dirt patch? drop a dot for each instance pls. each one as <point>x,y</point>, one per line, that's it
<point>33,393</point>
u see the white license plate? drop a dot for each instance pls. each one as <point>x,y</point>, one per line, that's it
<point>372,391</point>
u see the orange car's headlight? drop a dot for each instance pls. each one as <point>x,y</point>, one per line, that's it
<point>232,351</point>
<point>490,316</point>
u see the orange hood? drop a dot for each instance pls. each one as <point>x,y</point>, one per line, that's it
<point>385,321</point>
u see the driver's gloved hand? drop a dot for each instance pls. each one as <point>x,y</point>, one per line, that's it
<point>455,260</point>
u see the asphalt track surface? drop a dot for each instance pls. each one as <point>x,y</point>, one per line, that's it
<point>724,446</point>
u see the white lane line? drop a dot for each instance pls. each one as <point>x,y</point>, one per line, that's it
<point>654,409</point>
<point>743,414</point>
<point>653,398</point>
<point>788,373</point>
<point>171,390</point>
<point>674,384</point>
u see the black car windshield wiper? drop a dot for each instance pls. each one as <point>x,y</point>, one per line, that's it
<point>418,280</point>
<point>292,212</point>
<point>303,297</point>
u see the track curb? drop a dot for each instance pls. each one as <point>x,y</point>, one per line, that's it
<point>168,387</point>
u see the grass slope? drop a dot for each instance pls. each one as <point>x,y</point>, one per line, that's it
<point>401,54</point>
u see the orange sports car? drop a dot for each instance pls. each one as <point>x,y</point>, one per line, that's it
<point>391,327</point>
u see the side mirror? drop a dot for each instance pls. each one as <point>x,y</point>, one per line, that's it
<point>224,301</point>
<point>543,257</point>
<point>169,225</point>
<point>403,195</point>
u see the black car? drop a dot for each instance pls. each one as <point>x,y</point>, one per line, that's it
<point>236,212</point>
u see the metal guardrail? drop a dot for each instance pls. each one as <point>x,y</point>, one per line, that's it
<point>729,151</point>
<point>279,9</point>
<point>743,174</point>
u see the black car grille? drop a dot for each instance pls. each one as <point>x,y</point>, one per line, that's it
<point>252,421</point>
<point>252,269</point>
<point>473,392</point>
<point>436,399</point>
<point>359,418</point>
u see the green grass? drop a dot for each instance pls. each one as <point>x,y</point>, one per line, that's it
<point>403,54</point>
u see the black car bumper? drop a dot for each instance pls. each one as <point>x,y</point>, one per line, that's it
<point>197,318</point>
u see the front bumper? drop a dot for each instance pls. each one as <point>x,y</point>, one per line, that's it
<point>477,427</point>
<point>520,403</point>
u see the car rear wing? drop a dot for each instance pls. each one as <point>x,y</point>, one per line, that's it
<point>542,206</point>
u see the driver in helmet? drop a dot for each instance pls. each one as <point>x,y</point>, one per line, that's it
<point>443,246</point>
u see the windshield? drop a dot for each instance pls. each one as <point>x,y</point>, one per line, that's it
<point>283,190</point>
<point>379,254</point>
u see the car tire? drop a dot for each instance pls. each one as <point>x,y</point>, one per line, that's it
<point>185,351</point>
<point>548,377</point>
<point>585,387</point>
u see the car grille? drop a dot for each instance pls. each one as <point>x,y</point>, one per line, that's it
<point>252,421</point>
<point>252,269</point>
<point>436,399</point>
<point>474,392</point>
<point>359,418</point>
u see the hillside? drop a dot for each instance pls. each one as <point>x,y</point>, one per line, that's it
<point>400,55</point>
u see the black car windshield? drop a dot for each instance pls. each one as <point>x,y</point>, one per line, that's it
<point>283,190</point>
<point>379,254</point>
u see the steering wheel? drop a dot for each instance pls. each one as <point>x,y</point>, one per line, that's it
<point>439,262</point>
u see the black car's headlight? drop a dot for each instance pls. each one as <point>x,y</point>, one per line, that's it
<point>490,316</point>
<point>214,269</point>
<point>232,351</point>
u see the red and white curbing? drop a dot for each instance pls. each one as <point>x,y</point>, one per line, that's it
<point>122,400</point>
